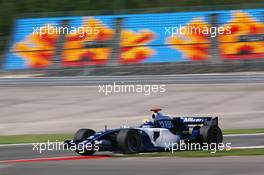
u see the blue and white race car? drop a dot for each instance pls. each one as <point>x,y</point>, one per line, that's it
<point>149,136</point>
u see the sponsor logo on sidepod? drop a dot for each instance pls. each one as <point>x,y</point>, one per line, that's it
<point>190,119</point>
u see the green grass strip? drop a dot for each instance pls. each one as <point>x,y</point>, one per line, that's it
<point>243,131</point>
<point>34,138</point>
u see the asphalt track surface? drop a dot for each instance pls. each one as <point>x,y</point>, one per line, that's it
<point>65,109</point>
<point>252,165</point>
<point>17,152</point>
<point>22,160</point>
<point>146,166</point>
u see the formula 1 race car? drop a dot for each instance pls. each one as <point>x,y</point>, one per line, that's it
<point>150,136</point>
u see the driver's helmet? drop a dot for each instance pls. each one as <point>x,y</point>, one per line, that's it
<point>146,123</point>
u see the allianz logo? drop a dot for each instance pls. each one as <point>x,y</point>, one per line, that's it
<point>191,119</point>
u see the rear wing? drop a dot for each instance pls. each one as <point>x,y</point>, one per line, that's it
<point>196,120</point>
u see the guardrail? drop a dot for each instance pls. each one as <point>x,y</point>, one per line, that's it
<point>143,79</point>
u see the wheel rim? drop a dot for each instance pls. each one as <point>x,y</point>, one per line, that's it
<point>133,143</point>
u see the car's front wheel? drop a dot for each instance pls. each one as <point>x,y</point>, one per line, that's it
<point>80,136</point>
<point>129,141</point>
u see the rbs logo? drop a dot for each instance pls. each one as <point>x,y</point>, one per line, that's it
<point>166,124</point>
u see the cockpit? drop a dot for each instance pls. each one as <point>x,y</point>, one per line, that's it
<point>159,121</point>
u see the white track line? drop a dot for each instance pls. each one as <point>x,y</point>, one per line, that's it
<point>25,144</point>
<point>248,147</point>
<point>233,135</point>
<point>19,144</point>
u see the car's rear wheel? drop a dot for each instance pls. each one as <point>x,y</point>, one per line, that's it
<point>80,136</point>
<point>211,134</point>
<point>129,141</point>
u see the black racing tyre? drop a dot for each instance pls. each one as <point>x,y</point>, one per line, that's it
<point>129,141</point>
<point>81,135</point>
<point>211,134</point>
